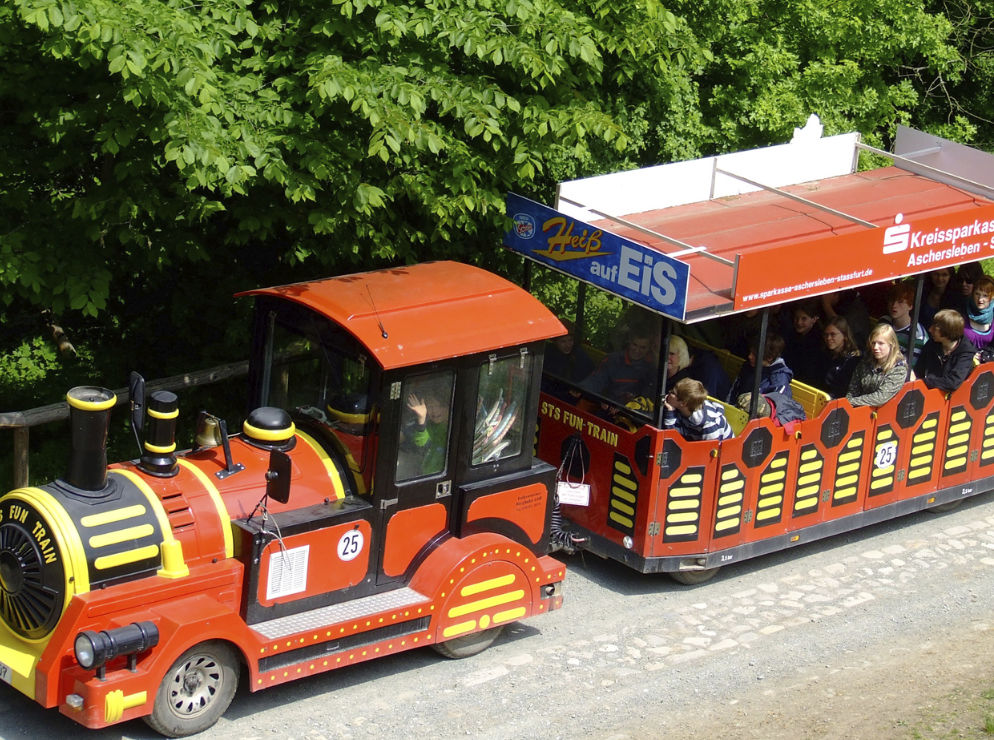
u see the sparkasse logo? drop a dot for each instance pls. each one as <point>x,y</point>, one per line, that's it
<point>898,236</point>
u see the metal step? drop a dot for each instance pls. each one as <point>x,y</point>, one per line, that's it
<point>349,610</point>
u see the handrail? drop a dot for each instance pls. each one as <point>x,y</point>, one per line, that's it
<point>22,421</point>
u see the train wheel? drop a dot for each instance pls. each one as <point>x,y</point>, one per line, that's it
<point>195,691</point>
<point>693,577</point>
<point>467,645</point>
<point>948,506</point>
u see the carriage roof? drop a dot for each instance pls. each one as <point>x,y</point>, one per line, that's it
<point>713,236</point>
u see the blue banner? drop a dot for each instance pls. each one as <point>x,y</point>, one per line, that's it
<point>633,271</point>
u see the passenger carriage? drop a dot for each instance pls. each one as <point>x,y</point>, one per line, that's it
<point>702,240</point>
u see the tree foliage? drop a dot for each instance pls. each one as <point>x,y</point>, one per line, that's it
<point>155,152</point>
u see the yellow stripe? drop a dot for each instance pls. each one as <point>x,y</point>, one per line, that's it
<point>691,478</point>
<point>726,525</point>
<point>681,530</point>
<point>731,499</point>
<point>153,500</point>
<point>106,562</point>
<point>623,508</point>
<point>623,495</point>
<point>628,483</point>
<point>222,512</point>
<point>768,514</point>
<point>329,465</point>
<point>268,435</point>
<point>685,504</point>
<point>478,606</point>
<point>510,615</point>
<point>91,405</point>
<point>159,449</point>
<point>166,415</point>
<point>622,520</point>
<point>122,535</point>
<point>492,583</point>
<point>109,517</point>
<point>459,629</point>
<point>684,517</point>
<point>684,491</point>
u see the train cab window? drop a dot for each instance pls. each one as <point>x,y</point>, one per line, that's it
<point>426,423</point>
<point>500,405</point>
<point>316,372</point>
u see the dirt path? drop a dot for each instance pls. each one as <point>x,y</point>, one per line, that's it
<point>940,688</point>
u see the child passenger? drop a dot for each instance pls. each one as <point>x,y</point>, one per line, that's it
<point>979,326</point>
<point>947,358</point>
<point>775,375</point>
<point>900,301</point>
<point>880,375</point>
<point>802,342</point>
<point>690,412</point>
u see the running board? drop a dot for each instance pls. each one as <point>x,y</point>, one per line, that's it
<point>281,627</point>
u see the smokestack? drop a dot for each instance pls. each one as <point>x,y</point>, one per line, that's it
<point>89,419</point>
<point>159,458</point>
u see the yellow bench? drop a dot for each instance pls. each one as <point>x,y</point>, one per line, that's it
<point>730,363</point>
<point>812,399</point>
<point>737,418</point>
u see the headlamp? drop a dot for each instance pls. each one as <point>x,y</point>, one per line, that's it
<point>95,649</point>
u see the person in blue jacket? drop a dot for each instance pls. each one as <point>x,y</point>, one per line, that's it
<point>775,375</point>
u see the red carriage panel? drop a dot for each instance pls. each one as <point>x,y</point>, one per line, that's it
<point>682,518</point>
<point>968,454</point>
<point>616,463</point>
<point>906,445</point>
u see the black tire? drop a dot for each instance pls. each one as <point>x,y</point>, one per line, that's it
<point>948,506</point>
<point>467,645</point>
<point>195,691</point>
<point>693,577</point>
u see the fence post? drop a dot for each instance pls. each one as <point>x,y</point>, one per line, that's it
<point>21,456</point>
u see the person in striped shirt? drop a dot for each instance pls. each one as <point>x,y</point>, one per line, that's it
<point>690,412</point>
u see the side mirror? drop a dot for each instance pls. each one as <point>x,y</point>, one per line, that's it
<point>278,477</point>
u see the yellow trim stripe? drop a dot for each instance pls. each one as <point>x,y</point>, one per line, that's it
<point>160,449</point>
<point>121,535</point>
<point>477,606</point>
<point>488,585</point>
<point>462,628</point>
<point>268,435</point>
<point>329,466</point>
<point>509,615</point>
<point>106,562</point>
<point>166,415</point>
<point>109,517</point>
<point>91,405</point>
<point>153,500</point>
<point>215,495</point>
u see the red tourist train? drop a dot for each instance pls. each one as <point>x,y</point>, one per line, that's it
<point>382,496</point>
<point>705,242</point>
<point>395,485</point>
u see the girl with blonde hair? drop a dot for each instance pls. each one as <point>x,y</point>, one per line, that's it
<point>880,375</point>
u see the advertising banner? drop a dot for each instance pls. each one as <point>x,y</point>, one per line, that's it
<point>631,270</point>
<point>906,247</point>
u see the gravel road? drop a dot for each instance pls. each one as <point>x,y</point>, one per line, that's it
<point>850,637</point>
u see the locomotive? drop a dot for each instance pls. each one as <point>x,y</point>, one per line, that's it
<point>382,495</point>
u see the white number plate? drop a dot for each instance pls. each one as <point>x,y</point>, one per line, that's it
<point>5,673</point>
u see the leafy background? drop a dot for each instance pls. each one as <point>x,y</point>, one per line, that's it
<point>158,156</point>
